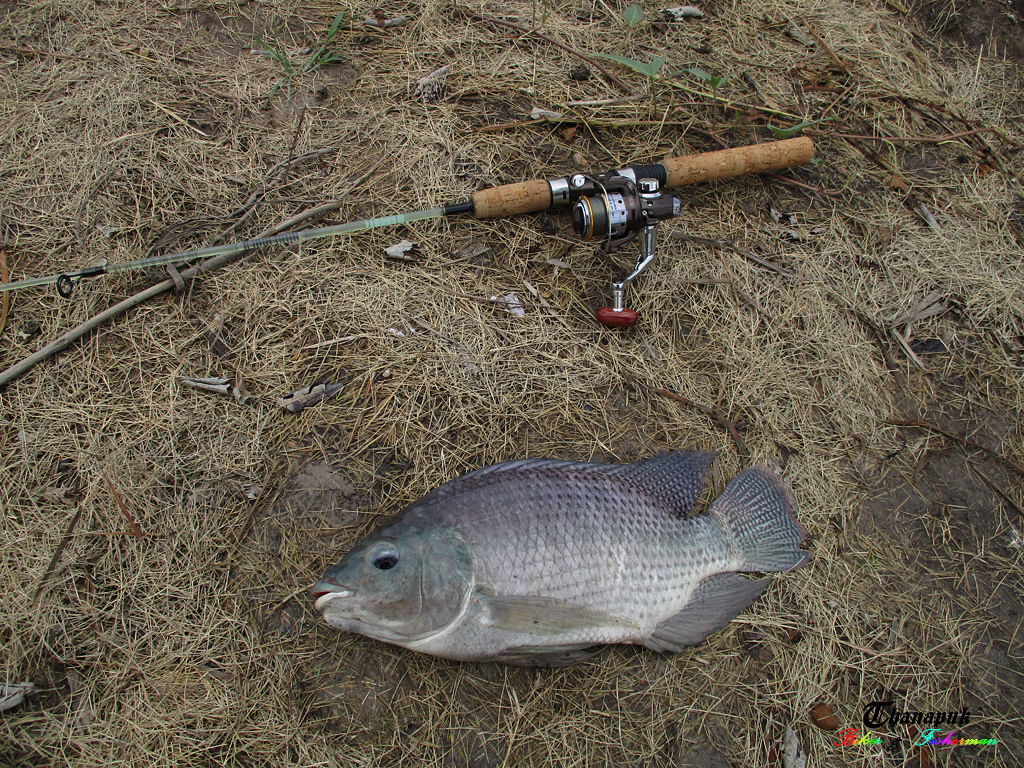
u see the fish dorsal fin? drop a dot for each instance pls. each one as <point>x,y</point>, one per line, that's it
<point>520,465</point>
<point>535,615</point>
<point>675,478</point>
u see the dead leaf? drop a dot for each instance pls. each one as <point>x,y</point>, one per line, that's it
<point>214,670</point>
<point>511,303</point>
<point>792,755</point>
<point>544,114</point>
<point>929,306</point>
<point>800,36</point>
<point>897,183</point>
<point>823,717</point>
<point>61,495</point>
<point>474,252</point>
<point>928,218</point>
<point>755,643</point>
<point>380,21</point>
<point>30,329</point>
<point>216,338</point>
<point>401,250</point>
<point>681,13</point>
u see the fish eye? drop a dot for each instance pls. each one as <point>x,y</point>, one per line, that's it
<point>383,557</point>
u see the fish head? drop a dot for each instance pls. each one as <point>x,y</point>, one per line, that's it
<point>398,587</point>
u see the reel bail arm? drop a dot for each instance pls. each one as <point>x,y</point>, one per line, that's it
<point>620,216</point>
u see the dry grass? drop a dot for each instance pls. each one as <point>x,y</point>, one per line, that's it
<point>195,645</point>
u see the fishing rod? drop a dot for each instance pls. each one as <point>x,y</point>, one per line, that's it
<point>615,207</point>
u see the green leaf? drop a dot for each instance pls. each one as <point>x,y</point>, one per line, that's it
<point>713,80</point>
<point>788,133</point>
<point>334,27</point>
<point>650,70</point>
<point>634,14</point>
<point>323,54</point>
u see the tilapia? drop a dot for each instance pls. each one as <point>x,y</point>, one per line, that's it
<point>540,562</point>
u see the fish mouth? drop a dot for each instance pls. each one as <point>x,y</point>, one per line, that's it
<point>324,592</point>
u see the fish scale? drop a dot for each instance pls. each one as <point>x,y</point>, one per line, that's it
<point>533,562</point>
<point>563,557</point>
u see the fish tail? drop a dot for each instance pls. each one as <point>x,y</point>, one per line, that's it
<point>756,514</point>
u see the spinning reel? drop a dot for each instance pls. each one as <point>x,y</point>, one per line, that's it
<point>617,209</point>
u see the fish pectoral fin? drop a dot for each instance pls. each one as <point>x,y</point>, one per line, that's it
<point>714,603</point>
<point>547,655</point>
<point>543,615</point>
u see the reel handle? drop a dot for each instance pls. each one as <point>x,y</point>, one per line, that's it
<point>616,318</point>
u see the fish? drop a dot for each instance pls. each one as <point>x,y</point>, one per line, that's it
<point>540,562</point>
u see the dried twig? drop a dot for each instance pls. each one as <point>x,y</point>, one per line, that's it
<point>249,206</point>
<point>540,35</point>
<point>57,554</point>
<point>567,120</point>
<point>723,244</point>
<point>5,277</point>
<point>132,525</point>
<point>731,426</point>
<point>999,491</point>
<point>901,139</point>
<point>961,440</point>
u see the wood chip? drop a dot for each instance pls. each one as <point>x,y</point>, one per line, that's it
<point>13,694</point>
<point>307,397</point>
<point>430,88</point>
<point>397,21</point>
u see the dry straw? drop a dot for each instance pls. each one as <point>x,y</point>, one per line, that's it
<point>194,643</point>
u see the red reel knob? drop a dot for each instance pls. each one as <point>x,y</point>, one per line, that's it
<point>620,319</point>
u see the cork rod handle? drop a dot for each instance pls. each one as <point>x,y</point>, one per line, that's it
<point>738,161</point>
<point>509,199</point>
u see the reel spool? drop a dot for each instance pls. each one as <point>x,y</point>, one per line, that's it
<point>619,213</point>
